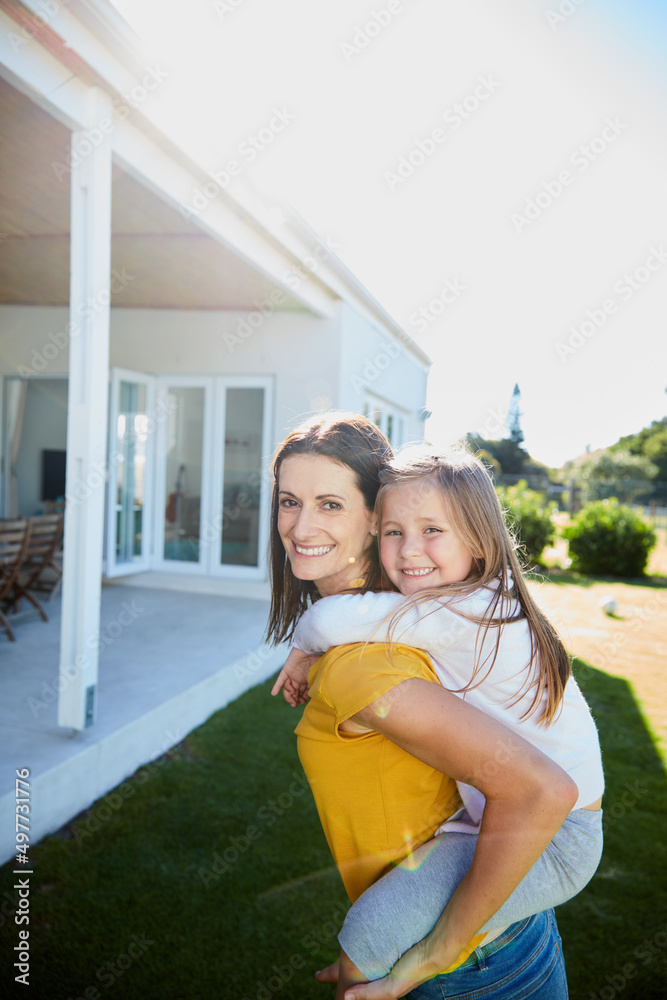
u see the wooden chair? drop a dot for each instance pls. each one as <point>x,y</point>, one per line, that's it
<point>51,584</point>
<point>46,532</point>
<point>14,541</point>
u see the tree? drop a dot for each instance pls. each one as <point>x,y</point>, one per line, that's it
<point>612,472</point>
<point>655,449</point>
<point>508,455</point>
<point>650,442</point>
<point>492,464</point>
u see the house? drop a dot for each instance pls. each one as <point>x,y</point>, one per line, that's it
<point>159,335</point>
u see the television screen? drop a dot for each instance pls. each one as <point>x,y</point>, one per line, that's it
<point>53,474</point>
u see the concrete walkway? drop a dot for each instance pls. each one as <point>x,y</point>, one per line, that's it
<point>168,660</point>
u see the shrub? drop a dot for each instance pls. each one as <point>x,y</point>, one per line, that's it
<point>529,517</point>
<point>606,537</point>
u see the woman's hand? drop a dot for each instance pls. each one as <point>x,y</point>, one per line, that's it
<point>293,678</point>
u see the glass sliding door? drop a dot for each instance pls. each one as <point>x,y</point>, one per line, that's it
<point>238,531</point>
<point>129,496</point>
<point>244,420</point>
<point>188,486</point>
<point>183,473</point>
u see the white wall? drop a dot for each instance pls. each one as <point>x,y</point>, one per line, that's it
<point>299,349</point>
<point>33,340</point>
<point>381,367</point>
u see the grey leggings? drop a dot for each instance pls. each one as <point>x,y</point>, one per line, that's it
<point>403,906</point>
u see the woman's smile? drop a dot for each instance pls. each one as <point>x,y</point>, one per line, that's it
<point>312,550</point>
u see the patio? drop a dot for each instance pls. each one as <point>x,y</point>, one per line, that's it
<point>168,660</point>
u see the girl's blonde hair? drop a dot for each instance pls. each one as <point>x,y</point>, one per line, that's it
<point>476,515</point>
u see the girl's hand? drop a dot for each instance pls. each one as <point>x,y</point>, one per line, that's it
<point>412,968</point>
<point>293,678</point>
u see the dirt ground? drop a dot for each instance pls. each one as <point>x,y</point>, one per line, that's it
<point>632,645</point>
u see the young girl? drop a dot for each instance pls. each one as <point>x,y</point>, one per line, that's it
<point>462,598</point>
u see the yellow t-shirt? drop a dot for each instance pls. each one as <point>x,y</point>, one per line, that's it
<point>376,802</point>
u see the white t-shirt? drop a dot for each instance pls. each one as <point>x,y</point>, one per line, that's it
<point>450,640</point>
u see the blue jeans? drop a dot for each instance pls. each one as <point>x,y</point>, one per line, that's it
<point>526,960</point>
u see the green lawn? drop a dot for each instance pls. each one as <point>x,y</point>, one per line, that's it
<point>206,874</point>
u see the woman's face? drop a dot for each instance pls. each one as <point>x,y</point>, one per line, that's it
<point>323,521</point>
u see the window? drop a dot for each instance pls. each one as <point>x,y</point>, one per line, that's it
<point>391,421</point>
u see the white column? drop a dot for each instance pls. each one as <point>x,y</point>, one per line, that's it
<point>90,259</point>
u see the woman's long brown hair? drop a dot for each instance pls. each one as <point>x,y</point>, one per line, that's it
<point>353,441</point>
<point>476,514</point>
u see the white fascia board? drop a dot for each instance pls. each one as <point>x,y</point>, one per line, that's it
<point>116,60</point>
<point>297,235</point>
<point>41,77</point>
<point>303,241</point>
<point>144,159</point>
<point>109,26</point>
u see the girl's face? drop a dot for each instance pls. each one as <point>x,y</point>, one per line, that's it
<point>418,545</point>
<point>323,521</point>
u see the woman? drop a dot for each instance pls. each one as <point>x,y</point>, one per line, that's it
<point>366,711</point>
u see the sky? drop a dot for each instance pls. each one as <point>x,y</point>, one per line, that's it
<point>494,174</point>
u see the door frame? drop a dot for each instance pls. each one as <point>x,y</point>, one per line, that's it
<point>144,563</point>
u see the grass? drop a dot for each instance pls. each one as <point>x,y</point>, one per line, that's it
<point>199,861</point>
<point>620,920</point>
<point>561,577</point>
<point>631,645</point>
<point>207,874</point>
